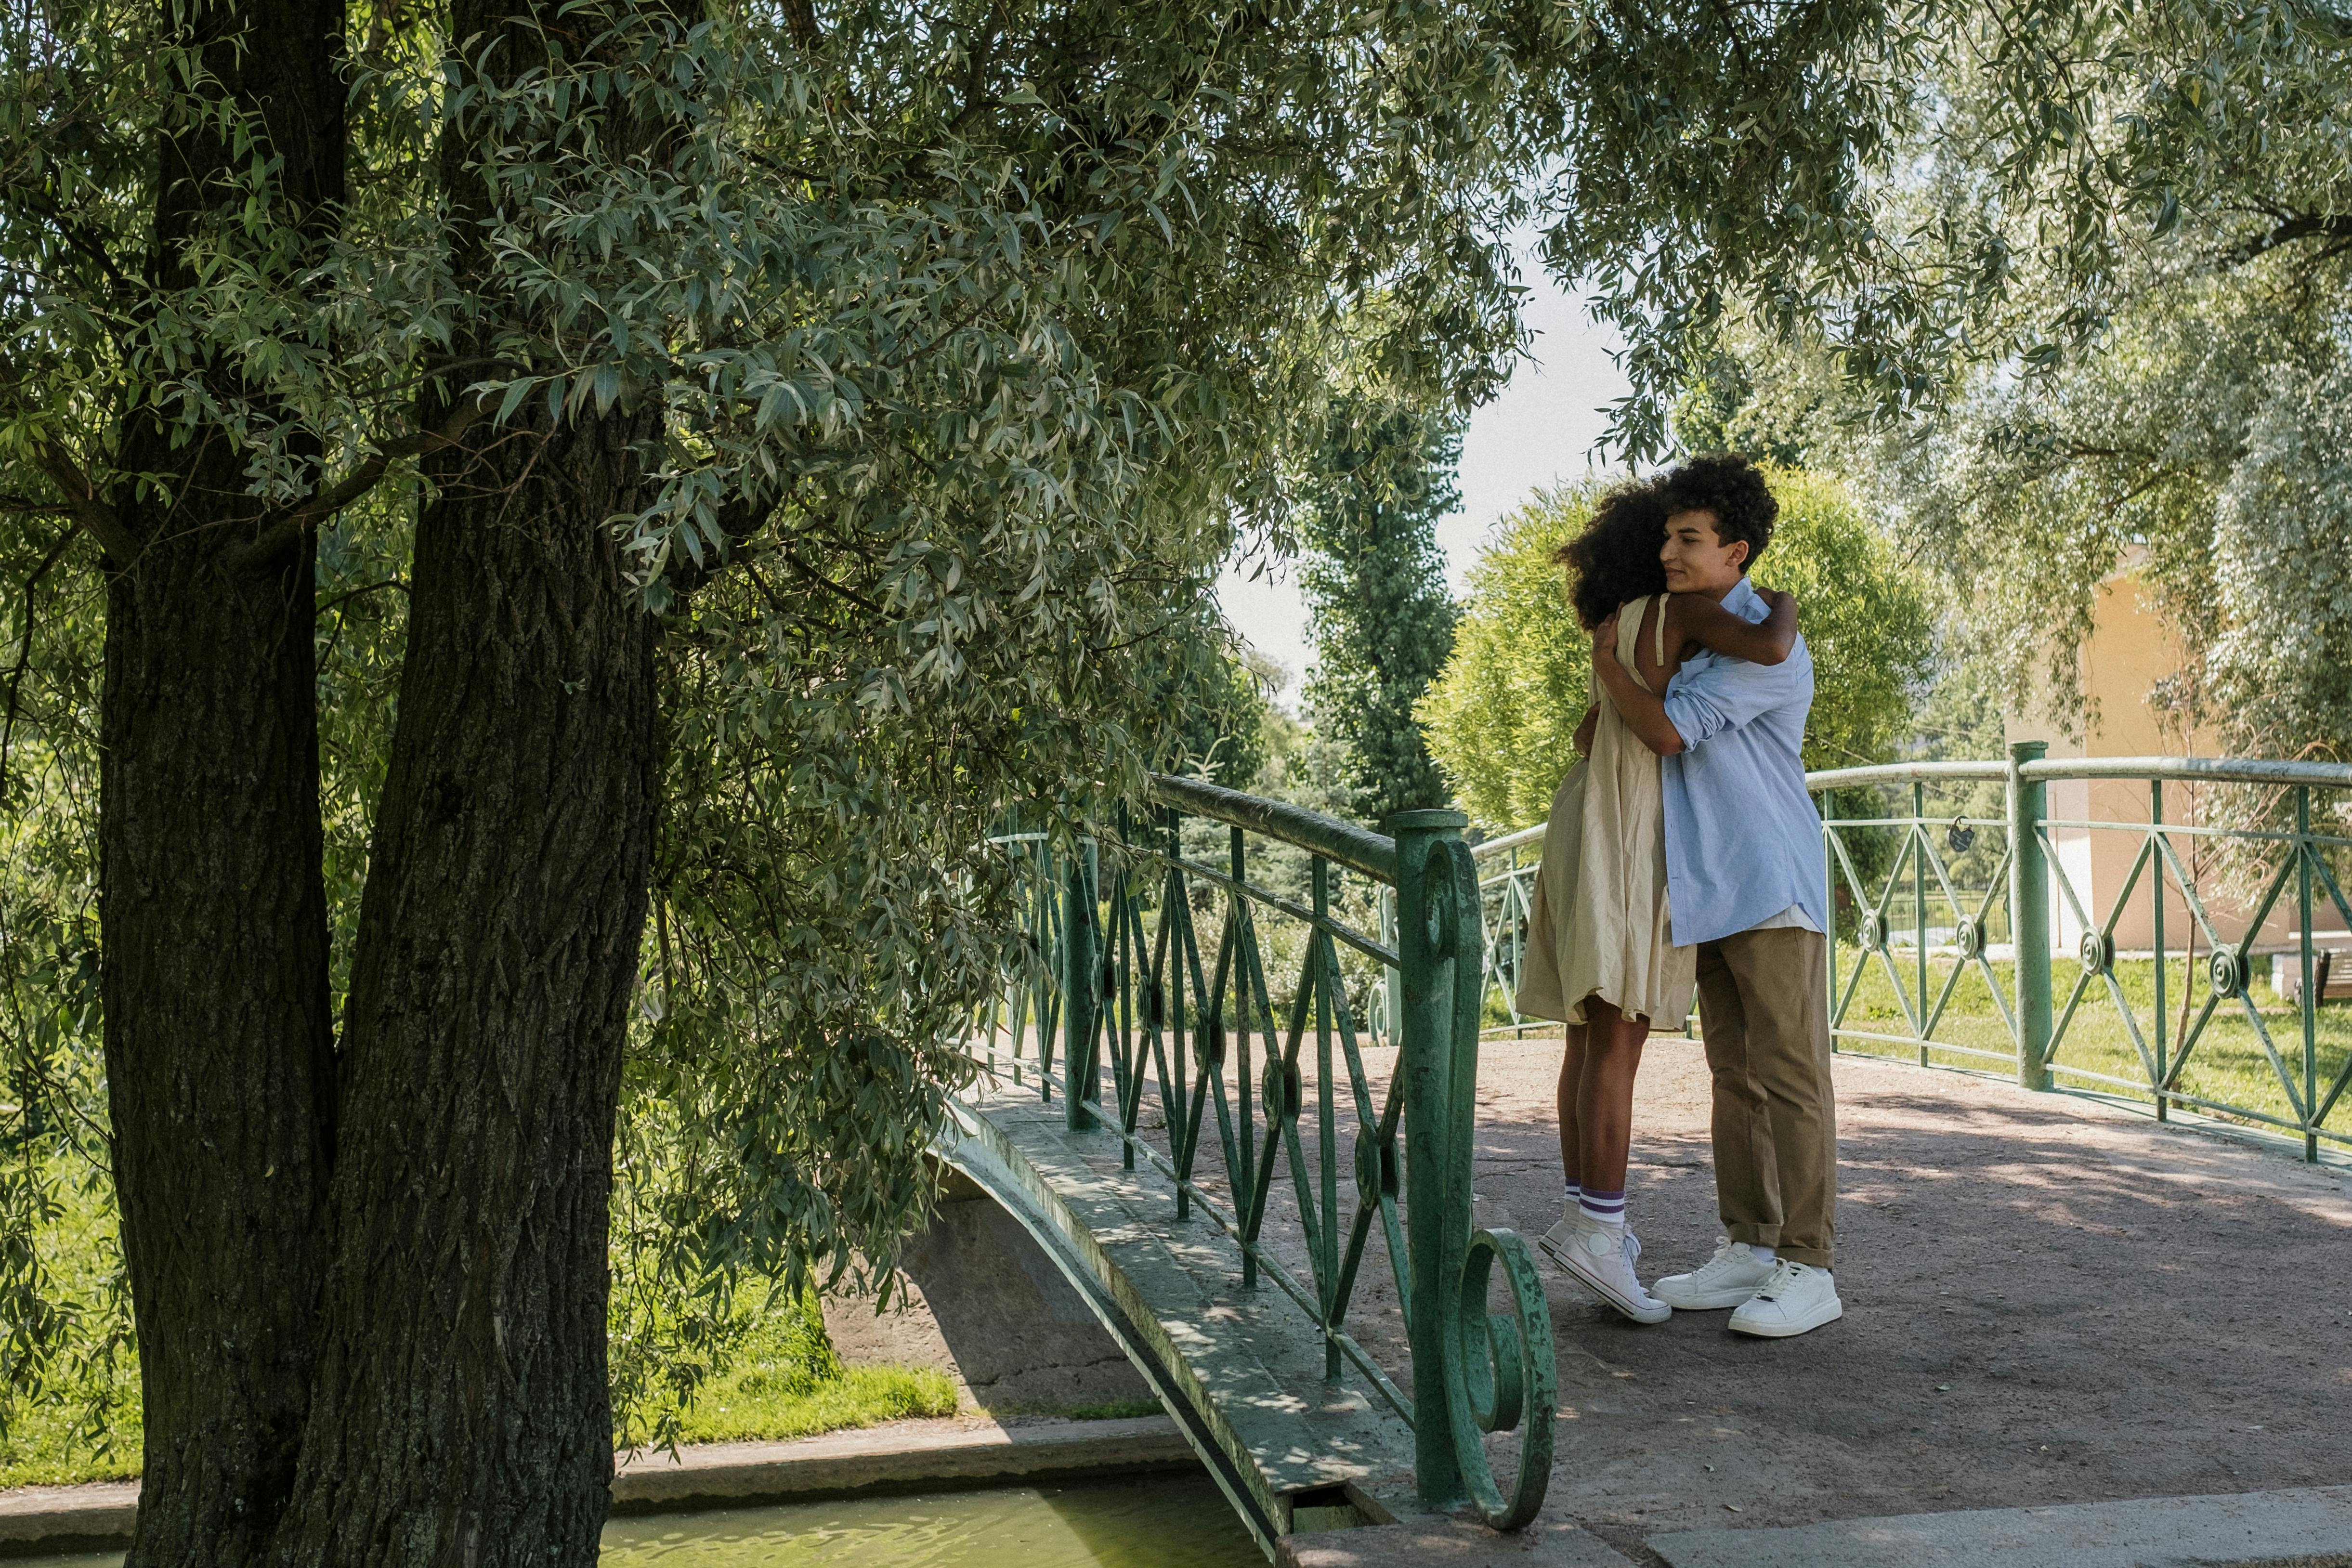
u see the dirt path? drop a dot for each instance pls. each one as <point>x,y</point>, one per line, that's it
<point>2047,1301</point>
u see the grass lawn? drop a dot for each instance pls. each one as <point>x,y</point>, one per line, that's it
<point>87,1428</point>
<point>786,1382</point>
<point>2227,1063</point>
<point>765,1395</point>
<point>783,1384</point>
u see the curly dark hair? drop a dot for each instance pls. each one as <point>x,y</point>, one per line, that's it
<point>1615,560</point>
<point>1732,488</point>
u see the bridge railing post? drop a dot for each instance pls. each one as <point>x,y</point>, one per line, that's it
<point>2029,913</point>
<point>1081,990</point>
<point>1475,1371</point>
<point>1437,1151</point>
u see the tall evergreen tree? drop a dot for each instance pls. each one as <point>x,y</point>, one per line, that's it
<point>1384,618</point>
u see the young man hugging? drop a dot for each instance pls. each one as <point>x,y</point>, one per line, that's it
<point>1745,884</point>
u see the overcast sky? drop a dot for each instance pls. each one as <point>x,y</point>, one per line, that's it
<point>1540,429</point>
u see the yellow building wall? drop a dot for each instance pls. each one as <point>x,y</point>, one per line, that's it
<point>2129,650</point>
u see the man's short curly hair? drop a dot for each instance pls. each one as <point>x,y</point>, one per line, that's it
<point>1615,560</point>
<point>1732,488</point>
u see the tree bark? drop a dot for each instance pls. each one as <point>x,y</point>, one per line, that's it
<point>219,1035</point>
<point>462,1413</point>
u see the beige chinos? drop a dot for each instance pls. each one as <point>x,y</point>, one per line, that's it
<point>1763,999</point>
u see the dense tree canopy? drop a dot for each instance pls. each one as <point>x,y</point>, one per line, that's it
<point>1375,485</point>
<point>1952,187</point>
<point>2159,391</point>
<point>766,449</point>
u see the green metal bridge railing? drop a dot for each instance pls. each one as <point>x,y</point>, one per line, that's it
<point>1967,863</point>
<point>1117,974</point>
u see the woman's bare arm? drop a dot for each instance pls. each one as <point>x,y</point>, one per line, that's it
<point>1583,736</point>
<point>1635,703</point>
<point>1699,619</point>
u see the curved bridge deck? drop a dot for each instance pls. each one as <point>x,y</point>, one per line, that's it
<point>2052,1307</point>
<point>1238,1365</point>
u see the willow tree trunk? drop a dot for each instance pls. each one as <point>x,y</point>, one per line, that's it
<point>219,1038</point>
<point>461,1413</point>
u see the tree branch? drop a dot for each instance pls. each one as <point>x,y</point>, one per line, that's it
<point>800,19</point>
<point>83,504</point>
<point>355,593</point>
<point>25,656</point>
<point>290,529</point>
<point>817,579</point>
<point>2336,228</point>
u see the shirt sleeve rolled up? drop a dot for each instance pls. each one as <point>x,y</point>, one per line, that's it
<point>1709,696</point>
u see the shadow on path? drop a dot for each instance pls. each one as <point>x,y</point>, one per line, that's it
<point>2046,1301</point>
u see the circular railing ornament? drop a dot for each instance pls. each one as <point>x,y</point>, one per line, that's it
<point>1282,1090</point>
<point>1209,1046</point>
<point>1968,938</point>
<point>2098,952</point>
<point>1499,1372</point>
<point>1871,932</point>
<point>2228,974</point>
<point>1376,1168</point>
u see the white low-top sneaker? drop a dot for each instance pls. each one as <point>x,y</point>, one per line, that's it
<point>1601,1260</point>
<point>1734,1274</point>
<point>1571,1218</point>
<point>1797,1299</point>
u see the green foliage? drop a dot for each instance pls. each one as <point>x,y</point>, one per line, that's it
<point>2157,303</point>
<point>974,336</point>
<point>69,1407</point>
<point>1864,617</point>
<point>777,1375</point>
<point>750,1409</point>
<point>1933,192</point>
<point>1502,715</point>
<point>2191,443</point>
<point>780,1377</point>
<point>1221,716</point>
<point>1369,502</point>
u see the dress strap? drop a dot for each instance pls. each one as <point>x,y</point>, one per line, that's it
<point>1661,654</point>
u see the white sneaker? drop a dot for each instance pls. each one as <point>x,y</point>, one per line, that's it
<point>1734,1274</point>
<point>1571,1218</point>
<point>1601,1259</point>
<point>1797,1299</point>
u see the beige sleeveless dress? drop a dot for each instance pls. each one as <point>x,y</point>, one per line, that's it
<point>1598,918</point>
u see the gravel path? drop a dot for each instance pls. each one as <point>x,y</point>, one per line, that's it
<point>2047,1301</point>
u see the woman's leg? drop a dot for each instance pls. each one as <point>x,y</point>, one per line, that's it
<point>1594,1246</point>
<point>1604,1105</point>
<point>1571,1086</point>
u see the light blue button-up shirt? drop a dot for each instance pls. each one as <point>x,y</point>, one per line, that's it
<point>1743,840</point>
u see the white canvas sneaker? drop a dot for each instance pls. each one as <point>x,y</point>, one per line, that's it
<point>1572,1218</point>
<point>1602,1260</point>
<point>1734,1274</point>
<point>1797,1299</point>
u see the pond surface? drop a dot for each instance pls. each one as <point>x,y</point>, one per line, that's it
<point>1149,1521</point>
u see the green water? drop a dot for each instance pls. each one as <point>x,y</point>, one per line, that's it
<point>1147,1522</point>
